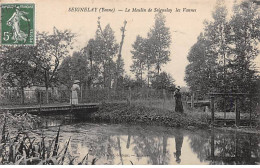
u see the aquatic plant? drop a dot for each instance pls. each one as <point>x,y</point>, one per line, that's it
<point>120,112</point>
<point>26,149</point>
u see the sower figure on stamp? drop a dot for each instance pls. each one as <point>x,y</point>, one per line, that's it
<point>14,21</point>
<point>74,93</point>
<point>178,102</point>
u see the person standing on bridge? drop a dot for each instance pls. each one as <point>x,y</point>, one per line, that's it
<point>178,102</point>
<point>74,92</point>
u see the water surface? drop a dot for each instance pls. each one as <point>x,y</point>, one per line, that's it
<point>132,144</point>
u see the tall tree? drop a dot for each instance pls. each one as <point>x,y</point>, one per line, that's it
<point>18,68</point>
<point>207,71</point>
<point>201,73</point>
<point>218,33</point>
<point>142,59</point>
<point>120,62</point>
<point>51,49</point>
<point>89,51</point>
<point>159,38</point>
<point>74,68</point>
<point>245,24</point>
<point>139,58</point>
<point>104,51</point>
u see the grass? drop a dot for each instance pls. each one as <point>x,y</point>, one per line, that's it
<point>136,113</point>
<point>24,149</point>
<point>196,112</point>
<point>158,112</point>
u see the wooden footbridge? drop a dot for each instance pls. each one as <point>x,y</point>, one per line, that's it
<point>47,109</point>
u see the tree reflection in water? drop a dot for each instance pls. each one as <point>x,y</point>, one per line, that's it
<point>151,146</point>
<point>118,144</point>
<point>226,148</point>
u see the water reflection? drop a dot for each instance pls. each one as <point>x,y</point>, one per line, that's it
<point>125,144</point>
<point>226,148</point>
<point>178,143</point>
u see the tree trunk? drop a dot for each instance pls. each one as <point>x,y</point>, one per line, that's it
<point>22,95</point>
<point>47,94</point>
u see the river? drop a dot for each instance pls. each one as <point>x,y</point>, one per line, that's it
<point>120,144</point>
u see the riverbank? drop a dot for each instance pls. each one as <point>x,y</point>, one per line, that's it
<point>158,114</point>
<point>137,114</point>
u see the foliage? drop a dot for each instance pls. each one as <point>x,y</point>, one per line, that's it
<point>121,112</point>
<point>153,51</point>
<point>74,68</point>
<point>18,67</point>
<point>222,59</point>
<point>245,24</point>
<point>163,81</point>
<point>51,49</point>
<point>159,38</point>
<point>140,57</point>
<point>26,149</point>
<point>103,52</point>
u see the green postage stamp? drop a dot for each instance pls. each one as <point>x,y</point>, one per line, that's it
<point>18,24</point>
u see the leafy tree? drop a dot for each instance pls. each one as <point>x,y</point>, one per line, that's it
<point>207,71</point>
<point>74,68</point>
<point>17,67</point>
<point>222,60</point>
<point>163,81</point>
<point>139,58</point>
<point>94,71</point>
<point>201,73</point>
<point>103,52</point>
<point>159,38</point>
<point>245,24</point>
<point>218,33</point>
<point>51,49</point>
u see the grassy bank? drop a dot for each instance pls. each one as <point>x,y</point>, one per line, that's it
<point>141,114</point>
<point>159,112</point>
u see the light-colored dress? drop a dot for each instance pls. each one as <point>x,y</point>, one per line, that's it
<point>74,94</point>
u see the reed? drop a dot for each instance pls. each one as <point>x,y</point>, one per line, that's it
<point>22,149</point>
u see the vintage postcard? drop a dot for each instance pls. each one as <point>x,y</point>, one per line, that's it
<point>129,82</point>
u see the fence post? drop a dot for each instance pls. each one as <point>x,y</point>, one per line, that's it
<point>251,104</point>
<point>129,95</point>
<point>212,109</point>
<point>237,113</point>
<point>192,100</point>
<point>225,115</point>
<point>164,97</point>
<point>40,101</point>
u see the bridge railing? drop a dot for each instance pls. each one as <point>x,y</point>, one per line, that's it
<point>59,96</point>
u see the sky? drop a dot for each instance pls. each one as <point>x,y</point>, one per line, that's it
<point>184,26</point>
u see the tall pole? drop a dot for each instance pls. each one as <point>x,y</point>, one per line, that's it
<point>119,54</point>
<point>109,82</point>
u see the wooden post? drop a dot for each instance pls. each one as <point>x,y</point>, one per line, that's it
<point>81,95</point>
<point>129,96</point>
<point>40,101</point>
<point>237,113</point>
<point>212,109</point>
<point>225,115</point>
<point>192,101</point>
<point>164,97</point>
<point>251,104</point>
<point>212,145</point>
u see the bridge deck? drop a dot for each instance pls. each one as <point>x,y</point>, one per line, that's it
<point>45,108</point>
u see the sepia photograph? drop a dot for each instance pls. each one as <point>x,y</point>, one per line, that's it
<point>130,82</point>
